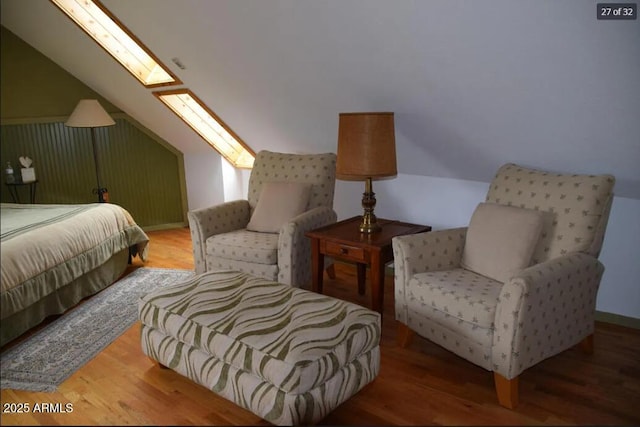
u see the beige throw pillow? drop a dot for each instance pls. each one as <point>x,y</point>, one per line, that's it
<point>500,240</point>
<point>278,203</point>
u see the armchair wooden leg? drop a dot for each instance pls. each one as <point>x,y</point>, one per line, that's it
<point>586,344</point>
<point>331,271</point>
<point>507,390</point>
<point>405,335</point>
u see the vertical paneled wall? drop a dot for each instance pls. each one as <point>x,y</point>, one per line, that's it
<point>141,174</point>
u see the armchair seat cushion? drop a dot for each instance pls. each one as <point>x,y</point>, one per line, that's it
<point>244,245</point>
<point>459,294</point>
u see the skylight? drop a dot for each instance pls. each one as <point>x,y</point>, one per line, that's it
<point>114,37</point>
<point>213,130</point>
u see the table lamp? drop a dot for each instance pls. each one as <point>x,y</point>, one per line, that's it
<point>90,114</point>
<point>366,151</point>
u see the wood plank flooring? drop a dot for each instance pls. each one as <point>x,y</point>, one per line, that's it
<point>419,385</point>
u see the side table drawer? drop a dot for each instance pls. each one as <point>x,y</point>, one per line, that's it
<point>344,251</point>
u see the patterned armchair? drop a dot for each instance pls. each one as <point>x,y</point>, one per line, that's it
<point>221,240</point>
<point>506,321</point>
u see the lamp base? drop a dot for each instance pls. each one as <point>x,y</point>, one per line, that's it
<point>369,222</point>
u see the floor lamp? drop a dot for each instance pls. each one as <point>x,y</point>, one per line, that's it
<point>90,114</point>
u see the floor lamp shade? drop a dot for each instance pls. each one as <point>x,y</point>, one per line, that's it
<point>366,150</point>
<point>90,114</point>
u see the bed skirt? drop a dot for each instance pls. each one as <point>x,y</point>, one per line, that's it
<point>64,298</point>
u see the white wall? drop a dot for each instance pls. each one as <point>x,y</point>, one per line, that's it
<point>233,181</point>
<point>203,175</point>
<point>446,203</point>
<point>212,180</point>
<point>620,287</point>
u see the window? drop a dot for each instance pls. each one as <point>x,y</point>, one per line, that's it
<point>114,37</point>
<point>213,130</point>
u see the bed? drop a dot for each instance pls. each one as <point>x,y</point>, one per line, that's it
<point>53,256</point>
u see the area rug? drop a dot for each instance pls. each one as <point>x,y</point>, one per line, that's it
<point>47,358</point>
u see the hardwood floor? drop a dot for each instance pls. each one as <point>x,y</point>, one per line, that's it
<point>419,385</point>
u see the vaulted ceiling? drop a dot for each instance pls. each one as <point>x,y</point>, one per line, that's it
<point>473,84</point>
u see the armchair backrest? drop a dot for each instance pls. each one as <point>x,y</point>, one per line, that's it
<point>319,170</point>
<point>578,206</point>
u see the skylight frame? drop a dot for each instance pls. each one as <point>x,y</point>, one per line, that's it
<point>139,46</point>
<point>240,155</point>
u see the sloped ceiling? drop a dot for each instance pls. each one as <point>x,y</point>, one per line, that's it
<point>473,84</point>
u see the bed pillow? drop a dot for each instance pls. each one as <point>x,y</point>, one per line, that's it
<point>500,240</point>
<point>278,203</point>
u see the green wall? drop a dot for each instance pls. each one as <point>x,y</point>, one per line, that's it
<point>143,173</point>
<point>34,86</point>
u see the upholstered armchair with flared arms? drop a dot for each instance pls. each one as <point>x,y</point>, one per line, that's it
<point>519,284</point>
<point>289,194</point>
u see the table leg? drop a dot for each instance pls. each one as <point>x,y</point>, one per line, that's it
<point>331,271</point>
<point>14,194</point>
<point>317,266</point>
<point>32,192</point>
<point>377,284</point>
<point>362,278</point>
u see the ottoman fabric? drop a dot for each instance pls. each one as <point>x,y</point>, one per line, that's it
<point>288,355</point>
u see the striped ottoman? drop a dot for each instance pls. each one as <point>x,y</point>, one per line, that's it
<point>288,355</point>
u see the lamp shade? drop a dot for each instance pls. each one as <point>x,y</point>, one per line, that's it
<point>366,146</point>
<point>89,114</point>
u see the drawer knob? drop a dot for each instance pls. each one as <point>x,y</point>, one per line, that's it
<point>344,251</point>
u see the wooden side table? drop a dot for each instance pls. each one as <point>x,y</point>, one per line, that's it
<point>344,241</point>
